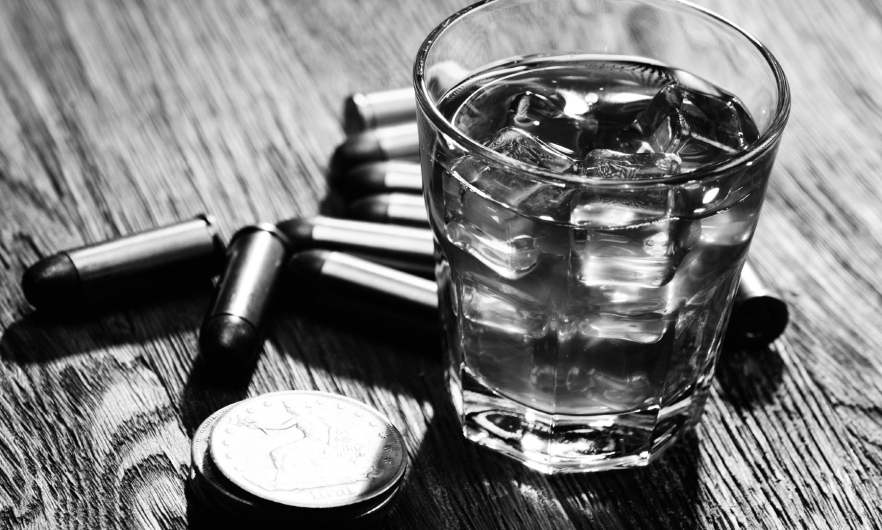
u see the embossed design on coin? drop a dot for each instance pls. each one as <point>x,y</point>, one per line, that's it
<point>201,437</point>
<point>310,449</point>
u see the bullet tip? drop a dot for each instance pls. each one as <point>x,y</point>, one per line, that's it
<point>298,231</point>
<point>373,208</point>
<point>306,266</point>
<point>758,321</point>
<point>364,179</point>
<point>358,149</point>
<point>52,283</point>
<point>228,342</point>
<point>354,118</point>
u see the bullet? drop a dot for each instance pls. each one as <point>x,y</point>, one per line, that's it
<point>759,315</point>
<point>394,208</point>
<point>398,105</point>
<point>380,177</point>
<point>376,145</point>
<point>378,109</point>
<point>161,259</point>
<point>232,332</point>
<point>400,247</point>
<point>442,76</point>
<point>337,280</point>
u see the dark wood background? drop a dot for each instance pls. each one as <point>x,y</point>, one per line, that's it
<point>121,115</point>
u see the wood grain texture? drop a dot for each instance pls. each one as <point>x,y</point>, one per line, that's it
<point>122,115</point>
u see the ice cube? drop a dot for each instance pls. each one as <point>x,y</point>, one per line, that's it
<point>524,147</point>
<point>644,329</point>
<point>608,164</point>
<point>521,192</point>
<point>613,208</point>
<point>518,315</point>
<point>550,202</point>
<point>558,119</point>
<point>506,187</point>
<point>700,128</point>
<point>504,331</point>
<point>491,214</point>
<point>483,233</point>
<point>645,255</point>
<point>491,232</point>
<point>626,270</point>
<point>628,299</point>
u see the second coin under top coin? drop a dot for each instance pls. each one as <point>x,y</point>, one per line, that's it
<point>308,449</point>
<point>206,482</point>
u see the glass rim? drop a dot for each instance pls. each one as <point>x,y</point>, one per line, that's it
<point>712,172</point>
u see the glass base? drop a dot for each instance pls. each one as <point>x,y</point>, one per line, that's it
<point>560,443</point>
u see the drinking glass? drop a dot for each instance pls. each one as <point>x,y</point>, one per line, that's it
<point>583,311</point>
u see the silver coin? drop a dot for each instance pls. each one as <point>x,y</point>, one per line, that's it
<point>201,437</point>
<point>377,512</point>
<point>197,487</point>
<point>209,484</point>
<point>308,449</point>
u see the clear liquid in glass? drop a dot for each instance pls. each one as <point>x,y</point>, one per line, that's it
<point>581,323</point>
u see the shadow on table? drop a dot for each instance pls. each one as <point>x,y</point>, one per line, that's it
<point>41,337</point>
<point>384,326</point>
<point>468,486</point>
<point>662,495</point>
<point>465,485</point>
<point>455,483</point>
<point>339,346</point>
<point>320,341</point>
<point>749,377</point>
<point>208,390</point>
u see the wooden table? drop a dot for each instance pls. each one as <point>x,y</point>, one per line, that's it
<point>118,116</point>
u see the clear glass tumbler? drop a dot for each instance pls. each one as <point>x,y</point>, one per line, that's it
<point>585,290</point>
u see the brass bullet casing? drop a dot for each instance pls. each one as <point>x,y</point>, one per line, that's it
<point>759,315</point>
<point>232,331</point>
<point>400,247</point>
<point>380,177</point>
<point>159,260</point>
<point>393,208</point>
<point>336,279</point>
<point>363,111</point>
<point>366,290</point>
<point>376,145</point>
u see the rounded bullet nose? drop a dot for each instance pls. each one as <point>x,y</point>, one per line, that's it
<point>364,179</point>
<point>354,118</point>
<point>759,321</point>
<point>356,150</point>
<point>228,343</point>
<point>52,283</point>
<point>303,275</point>
<point>298,231</point>
<point>306,265</point>
<point>371,208</point>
